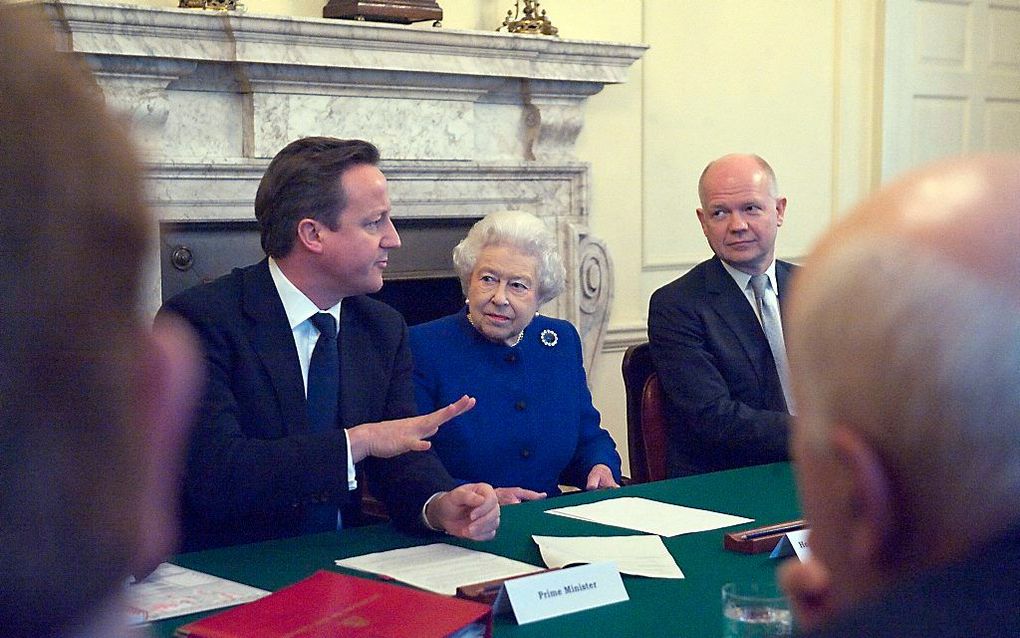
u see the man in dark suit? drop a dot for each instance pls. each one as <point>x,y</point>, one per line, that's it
<point>259,467</point>
<point>905,345</point>
<point>721,368</point>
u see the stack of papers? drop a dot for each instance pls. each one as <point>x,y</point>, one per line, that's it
<point>438,567</point>
<point>175,591</point>
<point>635,555</point>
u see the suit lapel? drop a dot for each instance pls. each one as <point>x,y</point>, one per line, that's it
<point>353,340</point>
<point>273,341</point>
<point>730,304</point>
<point>783,277</point>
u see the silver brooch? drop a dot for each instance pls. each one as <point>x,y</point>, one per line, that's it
<point>549,338</point>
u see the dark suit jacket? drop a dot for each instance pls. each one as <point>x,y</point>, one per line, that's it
<point>726,400</point>
<point>252,464</point>
<point>974,596</point>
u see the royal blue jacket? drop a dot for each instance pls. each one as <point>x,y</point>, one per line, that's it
<point>534,425</point>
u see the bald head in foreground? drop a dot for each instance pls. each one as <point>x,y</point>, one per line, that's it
<point>905,350</point>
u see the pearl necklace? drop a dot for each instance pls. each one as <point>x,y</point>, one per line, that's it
<point>520,335</point>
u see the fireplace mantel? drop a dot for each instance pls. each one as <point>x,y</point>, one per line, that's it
<point>468,122</point>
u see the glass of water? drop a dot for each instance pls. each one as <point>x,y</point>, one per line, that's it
<point>754,610</point>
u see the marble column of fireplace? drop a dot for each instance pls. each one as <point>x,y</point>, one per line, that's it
<point>468,122</point>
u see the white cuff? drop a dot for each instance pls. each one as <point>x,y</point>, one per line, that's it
<point>352,481</point>
<point>424,518</point>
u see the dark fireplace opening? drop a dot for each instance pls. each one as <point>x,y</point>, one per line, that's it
<point>420,281</point>
<point>421,300</point>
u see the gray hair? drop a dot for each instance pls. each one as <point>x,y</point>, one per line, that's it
<point>519,230</point>
<point>921,355</point>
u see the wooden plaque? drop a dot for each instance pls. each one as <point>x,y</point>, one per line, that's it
<point>760,539</point>
<point>402,11</point>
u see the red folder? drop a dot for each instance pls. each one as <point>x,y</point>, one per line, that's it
<point>328,604</point>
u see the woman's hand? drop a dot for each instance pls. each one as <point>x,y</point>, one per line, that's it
<point>600,477</point>
<point>511,495</point>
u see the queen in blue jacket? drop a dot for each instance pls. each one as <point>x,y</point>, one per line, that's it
<point>534,426</point>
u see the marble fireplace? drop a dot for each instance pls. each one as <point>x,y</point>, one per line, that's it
<point>468,122</point>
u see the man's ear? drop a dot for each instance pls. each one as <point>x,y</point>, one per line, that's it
<point>308,235</point>
<point>168,388</point>
<point>870,510</point>
<point>780,210</point>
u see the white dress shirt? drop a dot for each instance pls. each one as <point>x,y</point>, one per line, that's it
<point>744,282</point>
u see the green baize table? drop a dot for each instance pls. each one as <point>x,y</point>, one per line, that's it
<point>688,608</point>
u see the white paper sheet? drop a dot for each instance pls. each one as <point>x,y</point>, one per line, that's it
<point>646,515</point>
<point>175,591</point>
<point>439,567</point>
<point>643,555</point>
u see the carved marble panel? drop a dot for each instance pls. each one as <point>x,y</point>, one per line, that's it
<point>468,122</point>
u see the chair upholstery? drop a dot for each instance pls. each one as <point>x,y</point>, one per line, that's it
<point>646,416</point>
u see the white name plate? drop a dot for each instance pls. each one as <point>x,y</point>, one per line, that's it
<point>793,543</point>
<point>561,591</point>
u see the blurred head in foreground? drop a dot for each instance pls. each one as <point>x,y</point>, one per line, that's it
<point>905,351</point>
<point>93,404</point>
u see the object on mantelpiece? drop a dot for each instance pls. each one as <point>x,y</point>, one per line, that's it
<point>531,23</point>
<point>401,11</point>
<point>215,5</point>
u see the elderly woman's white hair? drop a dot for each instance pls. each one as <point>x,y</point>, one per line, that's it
<point>519,230</point>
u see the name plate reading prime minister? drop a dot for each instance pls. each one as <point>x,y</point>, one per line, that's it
<point>562,591</point>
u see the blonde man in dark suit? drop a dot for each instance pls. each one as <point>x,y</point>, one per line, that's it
<point>723,374</point>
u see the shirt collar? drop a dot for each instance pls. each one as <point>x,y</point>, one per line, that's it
<point>296,304</point>
<point>743,279</point>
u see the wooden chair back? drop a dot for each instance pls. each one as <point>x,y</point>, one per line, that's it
<point>646,416</point>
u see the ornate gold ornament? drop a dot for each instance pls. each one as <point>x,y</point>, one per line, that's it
<point>531,23</point>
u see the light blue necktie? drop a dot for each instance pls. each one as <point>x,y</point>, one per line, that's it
<point>768,308</point>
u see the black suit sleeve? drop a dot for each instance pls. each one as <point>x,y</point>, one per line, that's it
<point>405,482</point>
<point>241,460</point>
<point>720,418</point>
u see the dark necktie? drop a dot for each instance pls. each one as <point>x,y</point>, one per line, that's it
<point>768,308</point>
<point>321,405</point>
<point>323,376</point>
